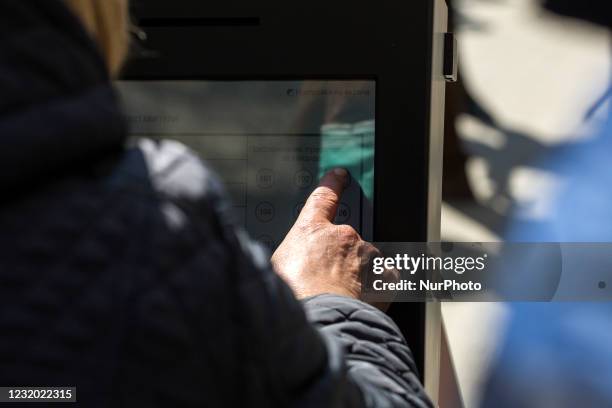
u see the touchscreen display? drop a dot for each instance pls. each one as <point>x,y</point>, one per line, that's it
<point>269,141</point>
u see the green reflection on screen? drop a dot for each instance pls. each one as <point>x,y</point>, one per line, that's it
<point>350,146</point>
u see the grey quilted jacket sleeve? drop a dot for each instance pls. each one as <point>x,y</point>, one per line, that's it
<point>374,353</point>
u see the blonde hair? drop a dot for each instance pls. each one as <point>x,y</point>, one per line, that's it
<point>108,23</point>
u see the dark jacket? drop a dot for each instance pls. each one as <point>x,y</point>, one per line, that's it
<point>123,274</point>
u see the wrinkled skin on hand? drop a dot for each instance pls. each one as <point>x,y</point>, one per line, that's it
<point>318,256</point>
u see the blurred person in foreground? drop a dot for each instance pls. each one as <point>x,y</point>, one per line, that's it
<point>560,354</point>
<point>122,273</point>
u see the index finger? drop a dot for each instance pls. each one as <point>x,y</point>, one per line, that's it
<point>322,204</point>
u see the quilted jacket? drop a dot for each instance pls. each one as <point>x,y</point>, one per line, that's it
<point>123,273</point>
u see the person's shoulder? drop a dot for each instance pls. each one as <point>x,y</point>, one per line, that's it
<point>170,171</point>
<point>177,172</point>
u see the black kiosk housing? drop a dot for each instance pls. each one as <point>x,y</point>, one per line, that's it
<point>397,44</point>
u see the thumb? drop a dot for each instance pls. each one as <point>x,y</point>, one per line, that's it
<point>322,204</point>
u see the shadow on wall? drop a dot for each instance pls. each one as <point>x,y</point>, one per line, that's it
<point>503,152</point>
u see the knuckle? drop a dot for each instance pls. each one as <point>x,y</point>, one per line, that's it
<point>320,193</point>
<point>368,252</point>
<point>322,197</point>
<point>392,275</point>
<point>346,233</point>
<point>370,248</point>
